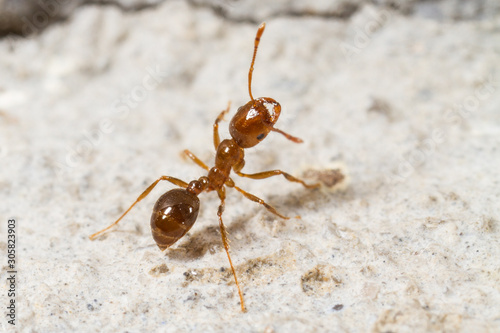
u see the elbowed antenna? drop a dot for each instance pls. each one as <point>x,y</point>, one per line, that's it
<point>256,46</point>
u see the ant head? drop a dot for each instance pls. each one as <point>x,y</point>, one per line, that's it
<point>253,121</point>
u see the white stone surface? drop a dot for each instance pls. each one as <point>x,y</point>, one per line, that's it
<point>97,107</point>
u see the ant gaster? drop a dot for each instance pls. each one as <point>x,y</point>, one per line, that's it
<point>175,211</point>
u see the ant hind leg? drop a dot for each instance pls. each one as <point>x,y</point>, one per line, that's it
<point>223,232</point>
<point>260,201</point>
<point>144,194</point>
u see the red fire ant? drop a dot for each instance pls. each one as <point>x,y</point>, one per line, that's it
<point>175,211</point>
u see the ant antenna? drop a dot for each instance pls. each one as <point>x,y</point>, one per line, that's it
<point>257,41</point>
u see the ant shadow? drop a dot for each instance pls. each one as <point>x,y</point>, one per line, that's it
<point>206,239</point>
<point>195,245</point>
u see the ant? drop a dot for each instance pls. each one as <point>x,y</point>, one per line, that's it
<point>175,211</point>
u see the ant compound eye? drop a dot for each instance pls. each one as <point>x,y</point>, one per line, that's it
<point>261,136</point>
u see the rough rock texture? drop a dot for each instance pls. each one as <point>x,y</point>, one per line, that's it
<point>95,107</point>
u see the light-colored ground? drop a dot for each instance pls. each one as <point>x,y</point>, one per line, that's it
<point>95,108</point>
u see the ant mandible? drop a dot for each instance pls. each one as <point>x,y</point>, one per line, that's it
<point>175,211</point>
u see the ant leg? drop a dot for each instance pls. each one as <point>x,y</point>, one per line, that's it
<point>195,159</point>
<point>260,201</point>
<point>216,125</point>
<point>223,232</point>
<point>271,173</point>
<point>173,180</point>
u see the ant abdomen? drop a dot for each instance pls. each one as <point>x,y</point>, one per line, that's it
<point>173,215</point>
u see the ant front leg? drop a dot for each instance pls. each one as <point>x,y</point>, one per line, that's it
<point>173,180</point>
<point>216,125</point>
<point>223,232</point>
<point>195,159</point>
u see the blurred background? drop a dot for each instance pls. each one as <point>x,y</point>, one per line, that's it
<point>24,17</point>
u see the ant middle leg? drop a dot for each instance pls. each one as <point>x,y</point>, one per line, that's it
<point>271,173</point>
<point>216,125</point>
<point>223,232</point>
<point>195,159</point>
<point>144,194</point>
